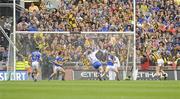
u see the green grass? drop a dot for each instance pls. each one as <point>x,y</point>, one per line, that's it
<point>90,90</point>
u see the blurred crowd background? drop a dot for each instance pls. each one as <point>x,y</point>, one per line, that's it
<point>78,15</point>
<point>157,25</point>
<point>6,22</point>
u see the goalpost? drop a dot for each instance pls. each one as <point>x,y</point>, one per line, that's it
<point>11,71</point>
<point>130,69</point>
<point>11,64</point>
<point>125,72</point>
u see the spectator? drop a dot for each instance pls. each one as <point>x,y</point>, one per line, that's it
<point>3,54</point>
<point>7,27</point>
<point>33,8</point>
<point>81,15</point>
<point>157,21</point>
<point>49,6</point>
<point>22,25</point>
<point>6,24</point>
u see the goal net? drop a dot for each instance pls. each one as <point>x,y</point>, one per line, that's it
<point>11,71</point>
<point>73,47</point>
<point>8,71</point>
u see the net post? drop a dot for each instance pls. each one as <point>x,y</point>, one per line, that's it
<point>135,69</point>
<point>14,38</point>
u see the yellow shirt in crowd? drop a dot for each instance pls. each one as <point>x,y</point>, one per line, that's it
<point>144,8</point>
<point>177,2</point>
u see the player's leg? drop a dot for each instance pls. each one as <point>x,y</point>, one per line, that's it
<point>158,74</point>
<point>163,73</point>
<point>98,66</point>
<point>117,73</point>
<point>107,69</point>
<point>55,69</point>
<point>33,73</point>
<point>100,72</point>
<point>63,73</point>
<point>36,71</point>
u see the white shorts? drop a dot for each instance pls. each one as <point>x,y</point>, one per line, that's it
<point>111,68</point>
<point>57,68</point>
<point>35,65</point>
<point>160,62</point>
<point>117,65</point>
<point>112,75</point>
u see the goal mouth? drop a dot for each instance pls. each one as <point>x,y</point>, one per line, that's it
<point>73,48</point>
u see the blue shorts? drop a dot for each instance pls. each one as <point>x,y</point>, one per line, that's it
<point>97,64</point>
<point>110,64</point>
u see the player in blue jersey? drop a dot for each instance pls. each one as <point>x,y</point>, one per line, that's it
<point>112,65</point>
<point>35,59</point>
<point>95,62</point>
<point>57,66</point>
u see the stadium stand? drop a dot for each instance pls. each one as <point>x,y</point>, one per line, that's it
<point>6,21</point>
<point>78,15</point>
<point>157,21</point>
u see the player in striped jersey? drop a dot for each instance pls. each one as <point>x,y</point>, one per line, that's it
<point>157,56</point>
<point>57,66</point>
<point>112,64</point>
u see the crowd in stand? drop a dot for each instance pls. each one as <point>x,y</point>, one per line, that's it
<point>158,24</point>
<point>78,15</point>
<point>6,24</point>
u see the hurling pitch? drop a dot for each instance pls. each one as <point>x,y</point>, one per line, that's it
<point>90,89</point>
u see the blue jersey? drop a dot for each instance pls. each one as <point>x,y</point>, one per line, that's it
<point>110,60</point>
<point>36,56</point>
<point>58,59</point>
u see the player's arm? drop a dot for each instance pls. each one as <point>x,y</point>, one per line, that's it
<point>65,60</point>
<point>57,62</point>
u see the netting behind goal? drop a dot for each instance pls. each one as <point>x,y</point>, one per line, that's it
<point>11,71</point>
<point>73,47</point>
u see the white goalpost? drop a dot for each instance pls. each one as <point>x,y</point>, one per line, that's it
<point>11,64</point>
<point>125,72</point>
